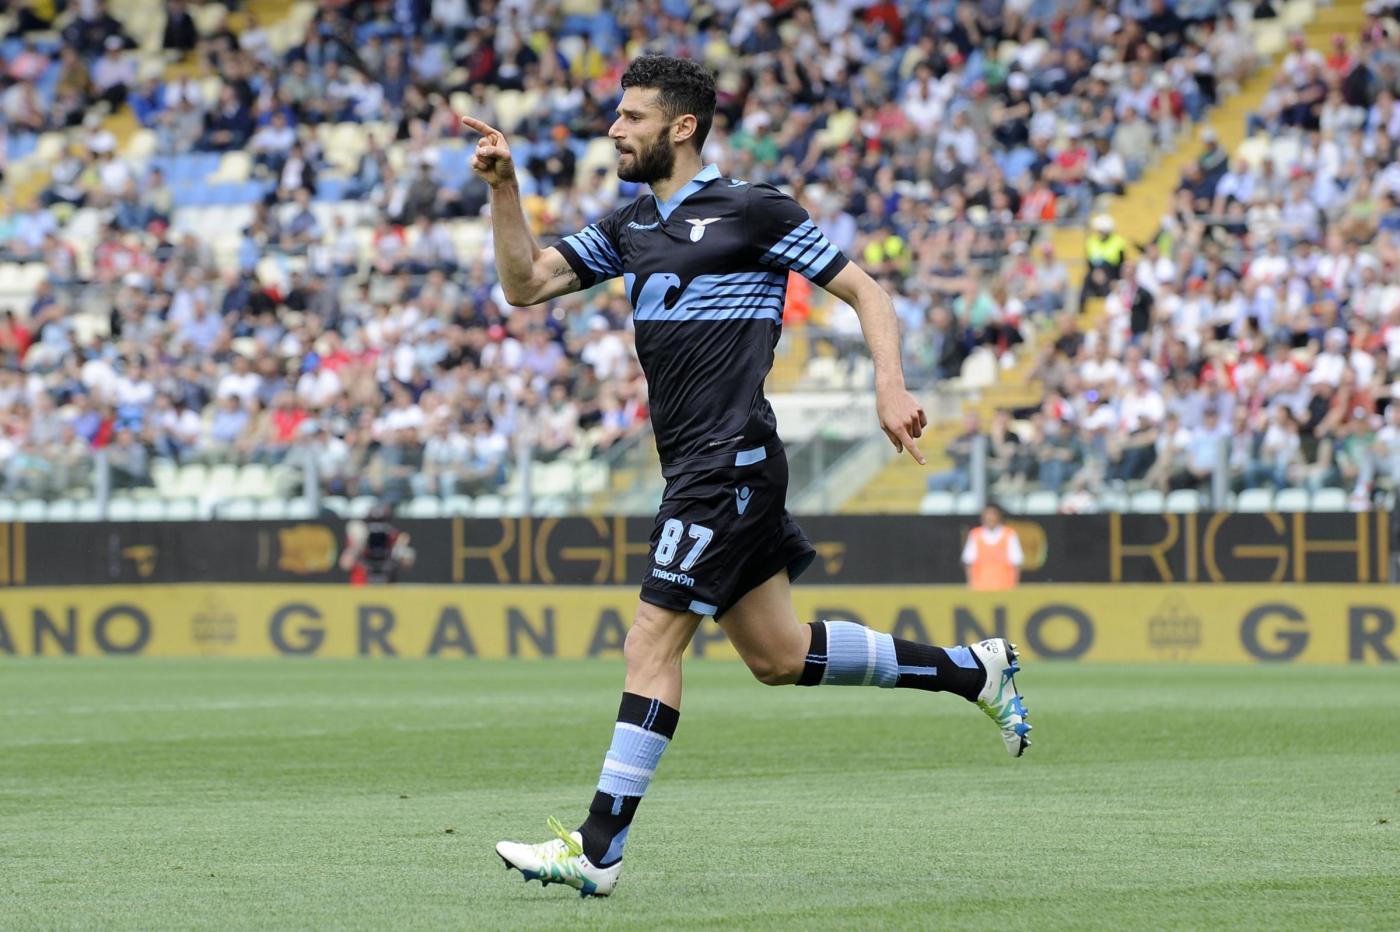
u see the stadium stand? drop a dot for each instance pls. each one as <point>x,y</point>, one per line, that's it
<point>1243,355</point>
<point>246,256</point>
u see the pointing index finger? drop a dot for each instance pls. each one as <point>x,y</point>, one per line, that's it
<point>482,128</point>
<point>912,447</point>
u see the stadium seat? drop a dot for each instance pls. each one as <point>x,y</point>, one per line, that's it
<point>300,509</point>
<point>1297,13</point>
<point>7,510</point>
<point>236,166</point>
<point>489,506</point>
<point>1329,500</point>
<point>271,509</point>
<point>1270,37</point>
<point>32,509</point>
<point>1254,500</point>
<point>237,509</point>
<point>63,509</point>
<point>1013,503</point>
<point>252,481</point>
<point>591,478</point>
<point>937,503</point>
<point>551,506</point>
<point>980,369</point>
<point>457,506</point>
<point>149,509</point>
<point>192,481</point>
<point>511,107</point>
<point>424,506</point>
<point>552,479</point>
<point>1041,502</point>
<point>966,504</point>
<point>221,479</point>
<point>121,509</point>
<point>335,504</point>
<point>1112,501</point>
<point>1148,501</point>
<point>360,506</point>
<point>87,509</point>
<point>1183,500</point>
<point>181,509</point>
<point>1290,500</point>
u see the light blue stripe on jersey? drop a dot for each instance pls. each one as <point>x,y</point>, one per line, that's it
<point>858,656</point>
<point>739,296</point>
<point>805,250</point>
<point>595,251</point>
<point>664,316</point>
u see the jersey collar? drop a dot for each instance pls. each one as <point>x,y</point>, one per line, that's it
<point>706,175</point>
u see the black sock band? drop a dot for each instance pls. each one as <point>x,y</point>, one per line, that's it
<point>651,714</point>
<point>815,666</point>
<point>923,666</point>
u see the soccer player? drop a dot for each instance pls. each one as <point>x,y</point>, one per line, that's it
<point>704,260</point>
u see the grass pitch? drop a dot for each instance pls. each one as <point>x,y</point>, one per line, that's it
<point>321,794</point>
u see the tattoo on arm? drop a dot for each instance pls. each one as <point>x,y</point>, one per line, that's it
<point>566,269</point>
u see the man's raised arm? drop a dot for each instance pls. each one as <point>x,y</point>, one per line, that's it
<point>528,273</point>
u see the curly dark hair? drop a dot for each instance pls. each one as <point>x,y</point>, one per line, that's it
<point>685,86</point>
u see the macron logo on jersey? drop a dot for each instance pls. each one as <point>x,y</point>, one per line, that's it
<point>741,498</point>
<point>698,227</point>
<point>632,224</point>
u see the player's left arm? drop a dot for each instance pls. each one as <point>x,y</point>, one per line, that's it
<point>901,415</point>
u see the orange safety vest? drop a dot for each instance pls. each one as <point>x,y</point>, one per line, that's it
<point>991,568</point>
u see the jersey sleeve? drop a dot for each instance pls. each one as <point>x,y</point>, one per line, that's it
<point>787,238</point>
<point>592,252</point>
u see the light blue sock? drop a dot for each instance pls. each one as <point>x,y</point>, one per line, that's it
<point>858,656</point>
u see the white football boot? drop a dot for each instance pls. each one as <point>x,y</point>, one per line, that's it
<point>998,697</point>
<point>560,860</point>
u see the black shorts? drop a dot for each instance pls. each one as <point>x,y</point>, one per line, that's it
<point>721,533</point>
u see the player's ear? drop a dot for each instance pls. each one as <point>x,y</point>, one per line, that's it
<point>683,128</point>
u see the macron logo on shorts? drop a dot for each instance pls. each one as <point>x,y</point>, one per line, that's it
<point>667,575</point>
<point>741,498</point>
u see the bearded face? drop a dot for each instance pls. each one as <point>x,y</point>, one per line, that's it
<point>646,161</point>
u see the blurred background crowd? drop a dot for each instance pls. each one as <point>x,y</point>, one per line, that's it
<point>257,240</point>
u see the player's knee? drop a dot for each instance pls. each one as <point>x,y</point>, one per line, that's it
<point>774,671</point>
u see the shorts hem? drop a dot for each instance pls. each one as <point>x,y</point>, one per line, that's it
<point>668,601</point>
<point>796,563</point>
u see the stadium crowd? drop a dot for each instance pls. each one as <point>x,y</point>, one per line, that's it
<point>933,141</point>
<point>1258,332</point>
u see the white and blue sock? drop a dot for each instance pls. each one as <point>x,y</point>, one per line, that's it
<point>847,654</point>
<point>644,729</point>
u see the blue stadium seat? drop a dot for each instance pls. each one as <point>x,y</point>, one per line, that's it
<point>249,192</point>
<point>20,145</point>
<point>331,189</point>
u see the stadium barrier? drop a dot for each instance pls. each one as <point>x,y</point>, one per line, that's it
<point>1223,547</point>
<point>1124,623</point>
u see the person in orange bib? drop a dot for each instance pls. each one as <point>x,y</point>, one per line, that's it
<point>992,555</point>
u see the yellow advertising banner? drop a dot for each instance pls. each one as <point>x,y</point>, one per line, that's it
<point>1111,623</point>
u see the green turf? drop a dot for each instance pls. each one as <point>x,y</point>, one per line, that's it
<point>299,794</point>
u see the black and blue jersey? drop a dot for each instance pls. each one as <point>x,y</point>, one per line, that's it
<point>706,275</point>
